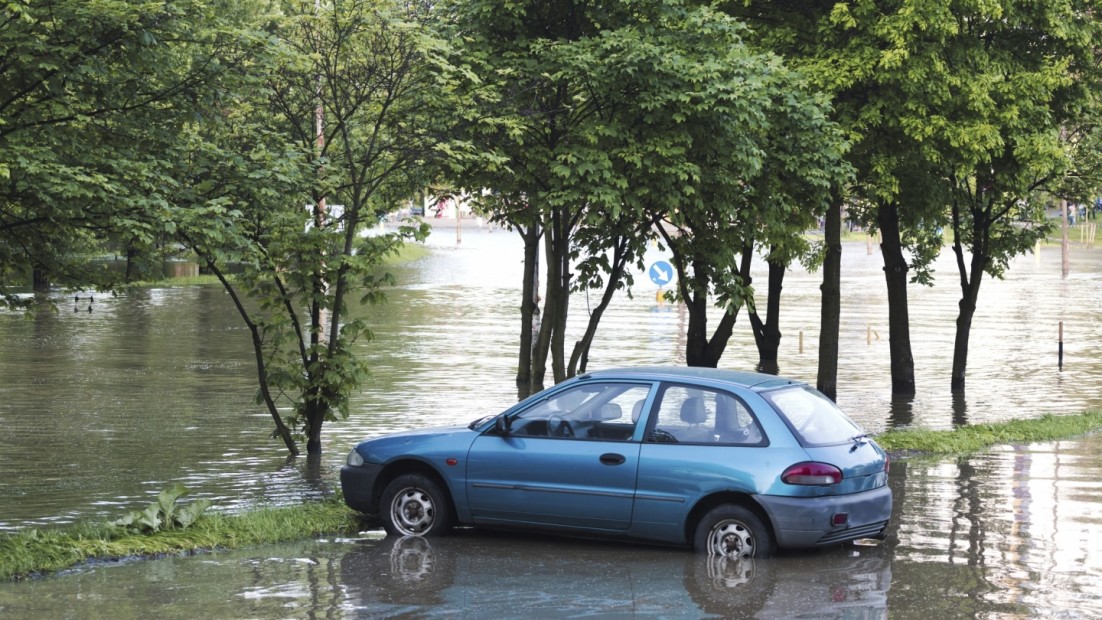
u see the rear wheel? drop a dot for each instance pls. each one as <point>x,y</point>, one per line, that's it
<point>734,531</point>
<point>414,505</point>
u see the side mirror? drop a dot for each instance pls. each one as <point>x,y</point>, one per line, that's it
<point>502,424</point>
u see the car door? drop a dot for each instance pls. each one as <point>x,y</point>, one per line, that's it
<point>570,459</point>
<point>700,440</point>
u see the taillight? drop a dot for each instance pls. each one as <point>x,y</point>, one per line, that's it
<point>887,463</point>
<point>813,474</point>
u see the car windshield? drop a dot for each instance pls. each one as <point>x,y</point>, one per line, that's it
<point>814,418</point>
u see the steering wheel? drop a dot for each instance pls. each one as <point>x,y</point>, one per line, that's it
<point>558,426</point>
<point>660,436</point>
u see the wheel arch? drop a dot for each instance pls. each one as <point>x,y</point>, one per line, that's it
<point>403,467</point>
<point>707,503</point>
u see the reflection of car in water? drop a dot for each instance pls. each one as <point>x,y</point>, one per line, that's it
<point>726,462</point>
<point>498,575</point>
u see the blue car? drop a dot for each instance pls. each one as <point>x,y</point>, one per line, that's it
<point>730,463</point>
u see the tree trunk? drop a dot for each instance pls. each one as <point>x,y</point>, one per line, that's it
<point>969,291</point>
<point>960,345</point>
<point>580,356</point>
<point>40,281</point>
<point>542,345</point>
<point>696,336</point>
<point>831,309</point>
<point>767,335</point>
<point>899,328</point>
<point>315,417</point>
<point>529,310</point>
<point>699,349</point>
<point>131,254</point>
<point>552,339</point>
<point>561,249</point>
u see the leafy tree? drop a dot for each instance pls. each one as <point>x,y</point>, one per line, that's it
<point>633,117</point>
<point>729,150</point>
<point>1010,77</point>
<point>344,112</point>
<point>850,51</point>
<point>954,109</point>
<point>91,99</point>
<point>536,120</point>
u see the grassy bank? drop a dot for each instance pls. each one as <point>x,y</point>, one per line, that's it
<point>36,551</point>
<point>979,436</point>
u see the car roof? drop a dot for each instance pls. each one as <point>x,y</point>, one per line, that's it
<point>751,380</point>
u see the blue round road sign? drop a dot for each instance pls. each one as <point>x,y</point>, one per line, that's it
<point>661,273</point>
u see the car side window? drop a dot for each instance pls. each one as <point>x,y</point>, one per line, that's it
<point>602,411</point>
<point>695,415</point>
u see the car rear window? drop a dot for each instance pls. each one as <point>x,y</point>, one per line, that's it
<point>814,418</point>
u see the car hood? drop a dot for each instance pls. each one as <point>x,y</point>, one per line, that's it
<point>417,442</point>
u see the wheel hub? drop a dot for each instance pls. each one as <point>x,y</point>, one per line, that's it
<point>413,511</point>
<point>732,539</point>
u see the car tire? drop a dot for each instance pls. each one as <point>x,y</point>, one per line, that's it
<point>414,505</point>
<point>733,530</point>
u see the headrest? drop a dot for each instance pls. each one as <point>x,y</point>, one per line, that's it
<point>608,411</point>
<point>726,413</point>
<point>693,411</point>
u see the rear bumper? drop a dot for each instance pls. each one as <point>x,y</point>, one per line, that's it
<point>806,521</point>
<point>358,487</point>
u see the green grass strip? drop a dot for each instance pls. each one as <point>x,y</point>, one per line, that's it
<point>979,436</point>
<point>39,551</point>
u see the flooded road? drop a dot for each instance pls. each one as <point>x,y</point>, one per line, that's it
<point>111,400</point>
<point>108,401</point>
<point>1007,533</point>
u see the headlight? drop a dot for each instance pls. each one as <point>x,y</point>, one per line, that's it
<point>354,458</point>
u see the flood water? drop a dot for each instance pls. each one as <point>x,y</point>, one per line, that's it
<point>108,401</point>
<point>1008,533</point>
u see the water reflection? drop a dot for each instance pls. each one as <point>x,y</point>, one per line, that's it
<point>498,576</point>
<point>1003,534</point>
<point>1016,527</point>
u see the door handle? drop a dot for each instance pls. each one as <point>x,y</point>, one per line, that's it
<point>611,458</point>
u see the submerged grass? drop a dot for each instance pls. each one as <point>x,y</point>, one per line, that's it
<point>979,436</point>
<point>43,551</point>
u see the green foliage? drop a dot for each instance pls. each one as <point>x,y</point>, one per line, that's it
<point>165,513</point>
<point>612,117</point>
<point>94,94</point>
<point>948,103</point>
<point>262,188</point>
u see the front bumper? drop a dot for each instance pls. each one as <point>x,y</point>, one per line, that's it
<point>806,521</point>
<point>358,487</point>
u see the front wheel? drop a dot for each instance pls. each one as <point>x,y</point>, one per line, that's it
<point>413,505</point>
<point>733,531</point>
